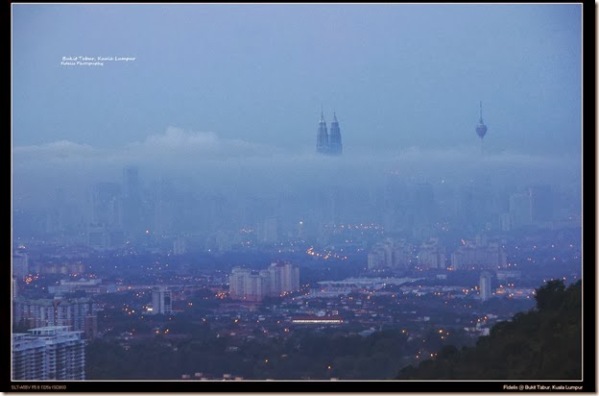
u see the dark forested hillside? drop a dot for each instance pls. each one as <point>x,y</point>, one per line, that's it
<point>543,343</point>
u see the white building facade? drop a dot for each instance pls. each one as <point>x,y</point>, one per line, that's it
<point>48,353</point>
<point>277,280</point>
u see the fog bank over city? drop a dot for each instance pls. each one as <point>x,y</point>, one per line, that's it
<point>359,191</point>
<point>208,163</point>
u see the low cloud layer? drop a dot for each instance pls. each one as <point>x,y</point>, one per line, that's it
<point>212,163</point>
<point>175,146</point>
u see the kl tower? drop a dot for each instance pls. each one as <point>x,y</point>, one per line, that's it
<point>481,128</point>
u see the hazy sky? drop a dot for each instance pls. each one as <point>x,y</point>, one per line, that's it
<point>254,77</point>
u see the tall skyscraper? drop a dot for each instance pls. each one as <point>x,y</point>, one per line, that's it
<point>322,138</point>
<point>48,353</point>
<point>335,146</point>
<point>325,143</point>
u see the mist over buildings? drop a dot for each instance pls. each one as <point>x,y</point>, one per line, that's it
<point>224,100</point>
<point>310,191</point>
<point>197,184</point>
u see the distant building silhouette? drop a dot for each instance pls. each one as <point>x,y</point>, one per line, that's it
<point>179,247</point>
<point>394,254</point>
<point>132,202</point>
<point>541,203</point>
<point>268,230</point>
<point>479,254</point>
<point>431,255</point>
<point>20,265</point>
<point>520,210</point>
<point>326,143</point>
<point>105,227</point>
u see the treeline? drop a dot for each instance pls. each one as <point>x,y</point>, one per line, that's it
<point>543,343</point>
<point>306,354</point>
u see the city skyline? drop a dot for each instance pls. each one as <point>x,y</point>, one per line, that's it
<point>352,191</point>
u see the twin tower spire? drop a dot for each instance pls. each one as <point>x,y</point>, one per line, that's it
<point>328,143</point>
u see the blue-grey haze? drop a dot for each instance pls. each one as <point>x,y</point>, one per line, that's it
<point>397,74</point>
<point>230,95</point>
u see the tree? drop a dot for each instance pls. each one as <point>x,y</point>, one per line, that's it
<point>551,295</point>
<point>543,343</point>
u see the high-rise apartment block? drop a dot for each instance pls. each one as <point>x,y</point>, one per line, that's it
<point>431,255</point>
<point>390,254</point>
<point>76,314</point>
<point>277,280</point>
<point>161,301</point>
<point>20,265</point>
<point>484,290</point>
<point>475,255</point>
<point>48,353</point>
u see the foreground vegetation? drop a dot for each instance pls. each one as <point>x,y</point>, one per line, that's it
<point>543,343</point>
<point>307,354</point>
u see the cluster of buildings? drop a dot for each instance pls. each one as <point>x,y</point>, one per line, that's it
<point>77,314</point>
<point>50,333</point>
<point>62,268</point>
<point>50,336</point>
<point>116,211</point>
<point>478,254</point>
<point>431,255</point>
<point>390,254</point>
<point>89,286</point>
<point>532,206</point>
<point>277,280</point>
<point>112,214</point>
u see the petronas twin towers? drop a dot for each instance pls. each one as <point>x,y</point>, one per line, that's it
<point>326,143</point>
